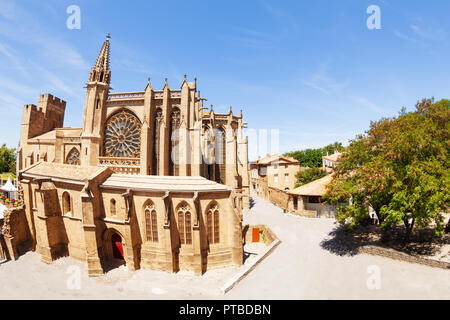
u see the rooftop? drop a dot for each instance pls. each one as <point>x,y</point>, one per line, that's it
<point>162,183</point>
<point>333,157</point>
<point>63,171</point>
<point>274,157</point>
<point>315,188</point>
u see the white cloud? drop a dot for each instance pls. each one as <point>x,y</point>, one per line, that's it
<point>368,104</point>
<point>323,82</point>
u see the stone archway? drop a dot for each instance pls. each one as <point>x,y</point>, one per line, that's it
<point>117,247</point>
<point>114,245</point>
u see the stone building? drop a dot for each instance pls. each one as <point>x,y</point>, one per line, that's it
<point>307,200</point>
<point>329,162</point>
<point>151,178</point>
<point>273,172</point>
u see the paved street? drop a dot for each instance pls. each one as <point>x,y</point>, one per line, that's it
<point>299,268</point>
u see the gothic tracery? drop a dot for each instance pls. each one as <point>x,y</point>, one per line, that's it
<point>122,136</point>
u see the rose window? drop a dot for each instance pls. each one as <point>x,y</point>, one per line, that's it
<point>122,136</point>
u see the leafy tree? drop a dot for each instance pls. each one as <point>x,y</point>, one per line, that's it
<point>400,168</point>
<point>312,158</point>
<point>7,159</point>
<point>309,175</point>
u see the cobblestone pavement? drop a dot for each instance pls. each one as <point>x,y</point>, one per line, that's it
<point>299,268</point>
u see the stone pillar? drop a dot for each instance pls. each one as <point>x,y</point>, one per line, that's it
<point>168,245</point>
<point>145,149</point>
<point>230,158</point>
<point>197,237</point>
<point>184,150</point>
<point>165,138</point>
<point>147,133</point>
<point>196,158</point>
<point>11,247</point>
<point>90,238</point>
<point>235,225</point>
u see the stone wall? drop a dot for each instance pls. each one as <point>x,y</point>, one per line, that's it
<point>396,255</point>
<point>14,233</point>
<point>279,197</point>
<point>267,236</point>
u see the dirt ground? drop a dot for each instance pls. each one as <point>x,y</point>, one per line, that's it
<point>301,267</point>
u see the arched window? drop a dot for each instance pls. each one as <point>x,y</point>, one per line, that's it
<point>219,153</point>
<point>67,204</point>
<point>73,157</point>
<point>112,207</point>
<point>213,224</point>
<point>174,142</point>
<point>151,223</point>
<point>184,224</point>
<point>156,140</point>
<point>122,136</point>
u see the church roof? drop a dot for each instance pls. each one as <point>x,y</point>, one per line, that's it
<point>162,183</point>
<point>51,135</point>
<point>63,171</point>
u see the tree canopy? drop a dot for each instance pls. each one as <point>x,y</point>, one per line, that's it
<point>309,175</point>
<point>400,168</point>
<point>7,159</point>
<point>312,158</point>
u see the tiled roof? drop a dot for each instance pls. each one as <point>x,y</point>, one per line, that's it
<point>64,171</point>
<point>333,157</point>
<point>315,188</point>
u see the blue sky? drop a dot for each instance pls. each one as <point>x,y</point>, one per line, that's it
<point>310,69</point>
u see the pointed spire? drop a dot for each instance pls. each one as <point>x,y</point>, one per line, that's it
<point>184,81</point>
<point>149,85</point>
<point>103,56</point>
<point>166,85</point>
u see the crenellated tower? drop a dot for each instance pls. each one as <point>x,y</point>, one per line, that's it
<point>95,107</point>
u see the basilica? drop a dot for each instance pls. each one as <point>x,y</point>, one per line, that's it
<point>153,178</point>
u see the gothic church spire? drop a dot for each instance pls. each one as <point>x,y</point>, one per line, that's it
<point>101,72</point>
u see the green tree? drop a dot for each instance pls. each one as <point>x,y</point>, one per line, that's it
<point>400,168</point>
<point>312,158</point>
<point>7,159</point>
<point>309,175</point>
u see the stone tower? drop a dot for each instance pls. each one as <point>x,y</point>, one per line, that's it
<point>95,107</point>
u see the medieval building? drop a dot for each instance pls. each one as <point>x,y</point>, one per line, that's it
<point>151,178</point>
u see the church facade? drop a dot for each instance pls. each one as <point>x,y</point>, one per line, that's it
<point>151,178</point>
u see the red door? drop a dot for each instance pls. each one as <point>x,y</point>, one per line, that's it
<point>117,246</point>
<point>255,234</point>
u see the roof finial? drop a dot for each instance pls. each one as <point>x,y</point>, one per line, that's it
<point>108,36</point>
<point>148,80</point>
<point>185,76</point>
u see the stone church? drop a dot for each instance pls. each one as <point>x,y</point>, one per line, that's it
<point>152,178</point>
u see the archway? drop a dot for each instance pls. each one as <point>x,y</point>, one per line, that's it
<point>117,247</point>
